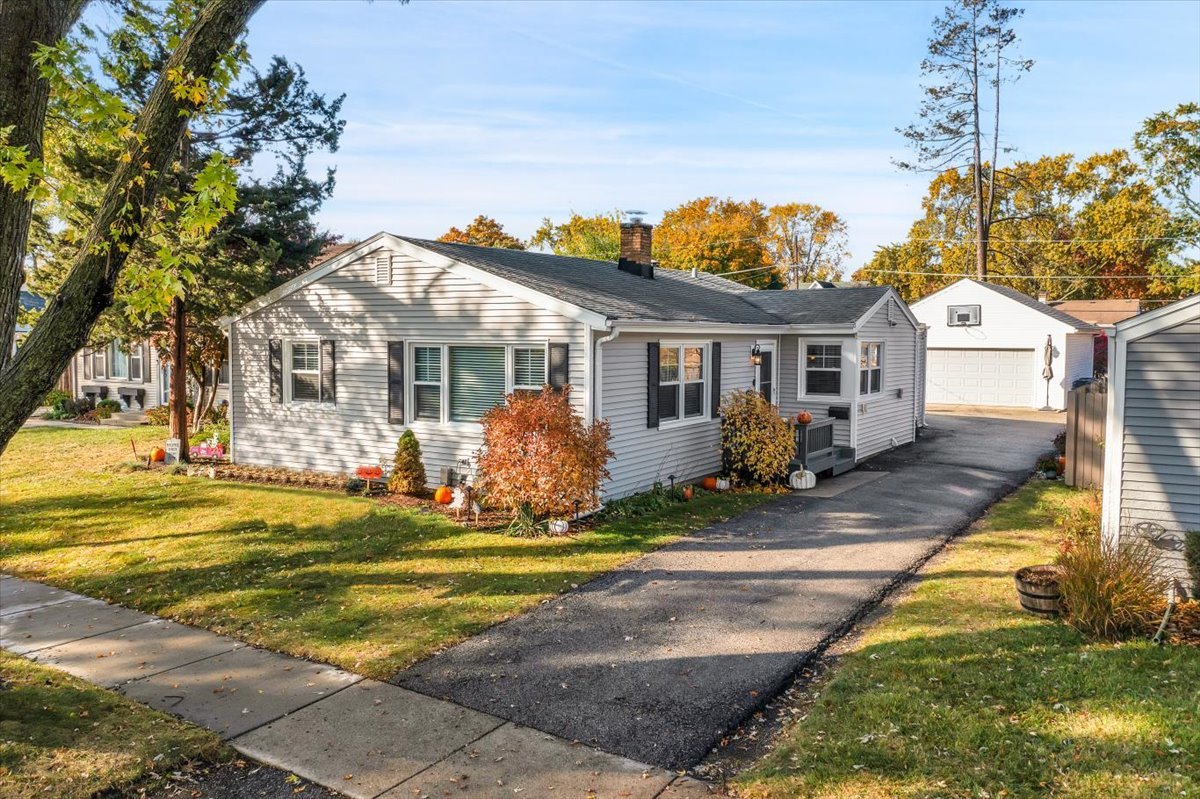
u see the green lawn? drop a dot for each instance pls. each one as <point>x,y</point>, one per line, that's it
<point>66,738</point>
<point>318,574</point>
<point>957,693</point>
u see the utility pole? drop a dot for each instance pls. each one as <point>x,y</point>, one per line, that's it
<point>179,409</point>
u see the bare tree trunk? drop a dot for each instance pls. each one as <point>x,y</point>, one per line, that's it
<point>69,316</point>
<point>24,95</point>
<point>179,408</point>
<point>981,245</point>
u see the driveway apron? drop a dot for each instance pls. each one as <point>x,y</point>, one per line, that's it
<point>657,660</point>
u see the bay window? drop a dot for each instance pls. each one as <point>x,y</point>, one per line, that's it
<point>823,369</point>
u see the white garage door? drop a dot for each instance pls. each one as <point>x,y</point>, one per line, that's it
<point>980,377</point>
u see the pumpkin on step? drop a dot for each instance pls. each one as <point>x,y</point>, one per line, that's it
<point>802,479</point>
<point>444,495</point>
<point>709,483</point>
<point>804,417</point>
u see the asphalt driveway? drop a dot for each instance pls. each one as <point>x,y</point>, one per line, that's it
<point>656,660</point>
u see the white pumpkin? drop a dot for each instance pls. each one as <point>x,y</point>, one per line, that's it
<point>802,479</point>
<point>722,484</point>
<point>559,526</point>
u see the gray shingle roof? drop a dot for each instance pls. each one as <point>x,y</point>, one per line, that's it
<point>1041,307</point>
<point>673,295</point>
<point>819,306</point>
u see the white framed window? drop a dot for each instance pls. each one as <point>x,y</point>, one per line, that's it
<point>822,369</point>
<point>870,367</point>
<point>118,364</point>
<point>459,383</point>
<point>529,368</point>
<point>304,371</point>
<point>135,363</point>
<point>427,383</point>
<point>682,381</point>
<point>100,363</point>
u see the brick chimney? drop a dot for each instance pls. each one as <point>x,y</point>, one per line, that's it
<point>1044,297</point>
<point>635,248</point>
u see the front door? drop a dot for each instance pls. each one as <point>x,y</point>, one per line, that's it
<point>764,375</point>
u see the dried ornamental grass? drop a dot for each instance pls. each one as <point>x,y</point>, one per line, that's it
<point>1109,592</point>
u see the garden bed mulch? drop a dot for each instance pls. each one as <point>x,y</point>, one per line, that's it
<point>1184,625</point>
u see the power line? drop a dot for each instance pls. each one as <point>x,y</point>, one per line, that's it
<point>995,276</point>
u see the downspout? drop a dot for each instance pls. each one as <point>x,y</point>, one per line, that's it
<point>598,377</point>
<point>232,374</point>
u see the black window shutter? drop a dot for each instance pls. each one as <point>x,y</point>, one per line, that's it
<point>275,363</point>
<point>560,365</point>
<point>328,372</point>
<point>715,371</point>
<point>396,382</point>
<point>147,361</point>
<point>652,384</point>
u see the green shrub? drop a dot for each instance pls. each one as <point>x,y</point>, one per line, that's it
<point>631,507</point>
<point>69,408</point>
<point>1191,556</point>
<point>756,442</point>
<point>55,397</point>
<point>408,472</point>
<point>1110,592</point>
<point>159,415</point>
<point>110,404</point>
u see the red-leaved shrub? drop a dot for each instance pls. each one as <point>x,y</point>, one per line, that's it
<point>538,456</point>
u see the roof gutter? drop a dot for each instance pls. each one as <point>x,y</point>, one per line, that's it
<point>651,326</point>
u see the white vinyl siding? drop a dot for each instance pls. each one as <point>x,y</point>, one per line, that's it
<point>887,418</point>
<point>687,449</point>
<point>423,304</point>
<point>790,391</point>
<point>1160,475</point>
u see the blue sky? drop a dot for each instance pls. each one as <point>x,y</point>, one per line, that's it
<point>528,110</point>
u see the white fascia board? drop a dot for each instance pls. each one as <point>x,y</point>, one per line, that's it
<point>652,326</point>
<point>1136,327</point>
<point>311,276</point>
<point>889,295</point>
<point>486,278</point>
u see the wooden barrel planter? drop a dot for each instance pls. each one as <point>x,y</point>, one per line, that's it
<point>1037,588</point>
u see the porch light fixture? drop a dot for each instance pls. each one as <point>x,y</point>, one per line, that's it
<point>756,356</point>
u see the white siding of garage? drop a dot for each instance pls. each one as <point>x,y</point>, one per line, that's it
<point>980,377</point>
<point>421,302</point>
<point>646,455</point>
<point>888,419</point>
<point>1078,361</point>
<point>1005,324</point>
<point>1160,475</point>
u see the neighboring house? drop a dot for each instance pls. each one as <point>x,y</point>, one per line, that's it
<point>987,346</point>
<point>27,301</point>
<point>133,375</point>
<point>1152,436</point>
<point>401,332</point>
<point>1101,313</point>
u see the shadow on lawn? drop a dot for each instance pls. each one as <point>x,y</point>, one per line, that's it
<point>1017,704</point>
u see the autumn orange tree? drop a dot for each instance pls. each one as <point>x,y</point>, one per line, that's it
<point>483,232</point>
<point>539,459</point>
<point>718,236</point>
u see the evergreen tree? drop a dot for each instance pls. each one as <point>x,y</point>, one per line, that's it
<point>408,471</point>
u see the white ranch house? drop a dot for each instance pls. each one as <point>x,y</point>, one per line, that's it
<point>987,344</point>
<point>399,332</point>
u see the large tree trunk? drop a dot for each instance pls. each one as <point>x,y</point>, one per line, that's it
<point>179,408</point>
<point>24,24</point>
<point>69,316</point>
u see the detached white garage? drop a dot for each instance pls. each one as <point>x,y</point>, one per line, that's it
<point>987,346</point>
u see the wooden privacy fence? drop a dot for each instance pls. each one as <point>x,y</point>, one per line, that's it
<point>1087,407</point>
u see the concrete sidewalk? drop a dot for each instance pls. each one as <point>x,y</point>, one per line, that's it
<point>359,737</point>
<point>659,659</point>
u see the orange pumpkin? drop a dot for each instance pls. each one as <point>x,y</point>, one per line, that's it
<point>804,417</point>
<point>687,493</point>
<point>444,495</point>
<point>158,455</point>
<point>709,483</point>
<point>1062,464</point>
